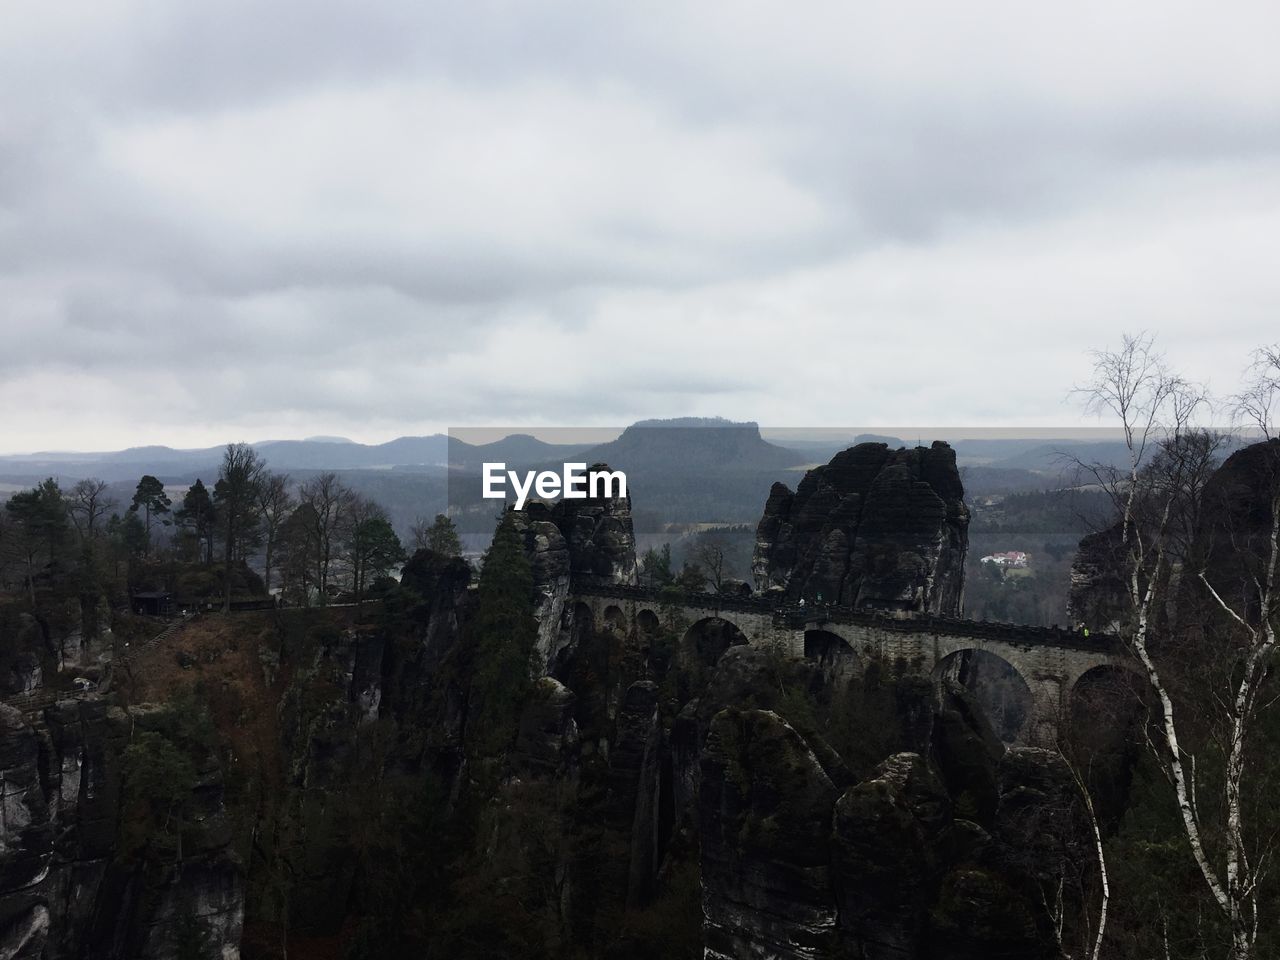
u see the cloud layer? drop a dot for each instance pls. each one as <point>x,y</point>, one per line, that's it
<point>251,221</point>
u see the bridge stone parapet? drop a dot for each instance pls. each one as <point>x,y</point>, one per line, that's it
<point>1050,660</point>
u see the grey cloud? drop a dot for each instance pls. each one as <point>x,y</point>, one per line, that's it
<point>355,218</point>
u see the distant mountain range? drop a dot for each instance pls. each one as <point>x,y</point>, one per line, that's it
<point>432,453</point>
<point>709,464</point>
<point>654,443</point>
<point>683,471</point>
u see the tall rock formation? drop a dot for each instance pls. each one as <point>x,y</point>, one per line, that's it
<point>1233,542</point>
<point>765,818</point>
<point>804,862</point>
<point>589,541</point>
<point>1099,595</point>
<point>874,528</point>
<point>1227,536</point>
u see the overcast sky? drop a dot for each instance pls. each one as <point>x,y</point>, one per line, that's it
<point>249,220</point>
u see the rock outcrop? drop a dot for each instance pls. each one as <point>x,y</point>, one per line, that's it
<point>765,817</point>
<point>1099,595</point>
<point>1230,542</point>
<point>601,537</point>
<point>22,650</point>
<point>68,886</point>
<point>1233,543</point>
<point>885,860</point>
<point>944,854</point>
<point>441,582</point>
<point>588,542</point>
<point>548,553</point>
<point>874,528</point>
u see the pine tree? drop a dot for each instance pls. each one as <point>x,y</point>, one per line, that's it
<point>40,519</point>
<point>150,498</point>
<point>505,631</point>
<point>443,537</point>
<point>236,496</point>
<point>198,515</point>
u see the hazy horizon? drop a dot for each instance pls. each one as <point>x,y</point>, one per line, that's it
<point>567,435</point>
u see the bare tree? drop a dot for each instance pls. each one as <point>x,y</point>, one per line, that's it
<point>1241,581</point>
<point>420,533</point>
<point>1256,404</point>
<point>275,503</point>
<point>709,555</point>
<point>327,501</point>
<point>88,504</point>
<point>1157,499</point>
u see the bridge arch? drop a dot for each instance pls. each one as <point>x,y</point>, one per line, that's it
<point>615,619</point>
<point>706,640</point>
<point>1041,668</point>
<point>999,687</point>
<point>647,622</point>
<point>584,620</point>
<point>833,655</point>
<point>1102,731</point>
<point>1116,676</point>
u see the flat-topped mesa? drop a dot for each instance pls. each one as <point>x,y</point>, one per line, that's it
<point>875,528</point>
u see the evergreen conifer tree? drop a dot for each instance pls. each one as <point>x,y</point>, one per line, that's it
<point>505,631</point>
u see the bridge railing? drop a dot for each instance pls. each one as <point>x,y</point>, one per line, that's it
<point>798,616</point>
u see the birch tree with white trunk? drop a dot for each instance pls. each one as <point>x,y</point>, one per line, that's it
<point>1158,499</point>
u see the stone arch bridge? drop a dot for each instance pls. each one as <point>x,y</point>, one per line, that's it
<point>1050,661</point>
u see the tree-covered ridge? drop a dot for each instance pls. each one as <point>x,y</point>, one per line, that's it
<point>251,533</point>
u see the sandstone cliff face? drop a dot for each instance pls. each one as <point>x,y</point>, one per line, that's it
<point>1233,542</point>
<point>65,889</point>
<point>1232,525</point>
<point>549,555</point>
<point>22,650</point>
<point>1098,597</point>
<point>765,826</point>
<point>885,856</point>
<point>442,583</point>
<point>589,542</point>
<point>942,851</point>
<point>902,865</point>
<point>875,527</point>
<point>600,535</point>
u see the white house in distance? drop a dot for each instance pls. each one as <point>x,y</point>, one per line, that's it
<point>1010,558</point>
